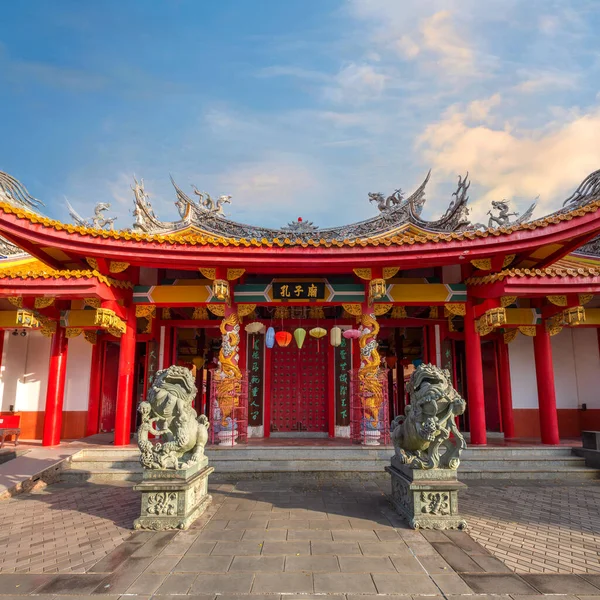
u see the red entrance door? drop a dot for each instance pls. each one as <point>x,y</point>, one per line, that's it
<point>299,387</point>
<point>108,387</point>
<point>490,385</point>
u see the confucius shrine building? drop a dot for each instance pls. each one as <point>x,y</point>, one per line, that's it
<point>301,331</point>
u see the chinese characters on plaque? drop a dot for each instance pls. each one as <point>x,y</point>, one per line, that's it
<point>299,290</point>
<point>343,361</point>
<point>255,379</point>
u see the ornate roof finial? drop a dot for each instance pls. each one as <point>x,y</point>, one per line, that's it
<point>14,192</point>
<point>97,221</point>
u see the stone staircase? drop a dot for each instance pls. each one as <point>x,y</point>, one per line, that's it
<point>482,463</point>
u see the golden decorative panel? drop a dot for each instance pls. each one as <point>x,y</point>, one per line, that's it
<point>363,273</point>
<point>455,308</point>
<point>507,301</point>
<point>233,274</point>
<point>554,324</point>
<point>399,312</point>
<point>48,328</point>
<point>282,312</point>
<point>389,272</point>
<point>166,314</point>
<point>573,316</point>
<point>93,263</point>
<point>93,302</point>
<point>433,312</point>
<point>117,267</point>
<point>510,335</point>
<point>507,260</point>
<point>483,264</point>
<point>208,273</point>
<point>482,327</point>
<point>26,318</point>
<point>145,310</point>
<point>353,309</point>
<point>200,313</point>
<point>558,300</point>
<point>91,336</point>
<point>16,301</point>
<point>107,319</point>
<point>245,309</point>
<point>381,309</point>
<point>316,312</point>
<point>528,330</point>
<point>585,298</point>
<point>217,309</point>
<point>73,332</point>
<point>43,302</point>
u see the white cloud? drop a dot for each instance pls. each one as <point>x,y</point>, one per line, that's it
<point>517,164</point>
<point>537,80</point>
<point>357,83</point>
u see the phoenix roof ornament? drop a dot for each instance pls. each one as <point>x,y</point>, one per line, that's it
<point>14,192</point>
<point>97,221</point>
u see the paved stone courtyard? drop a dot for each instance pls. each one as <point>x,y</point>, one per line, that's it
<point>301,537</point>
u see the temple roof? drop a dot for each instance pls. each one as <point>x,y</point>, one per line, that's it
<point>536,243</point>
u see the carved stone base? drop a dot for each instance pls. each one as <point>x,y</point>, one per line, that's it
<point>173,499</point>
<point>427,499</point>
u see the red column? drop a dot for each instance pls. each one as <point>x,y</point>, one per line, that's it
<point>544,374</point>
<point>125,381</point>
<point>508,423</point>
<point>431,345</point>
<point>56,388</point>
<point>267,391</point>
<point>474,368</point>
<point>93,414</point>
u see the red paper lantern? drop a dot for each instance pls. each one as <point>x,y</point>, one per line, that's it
<point>283,338</point>
<point>391,361</point>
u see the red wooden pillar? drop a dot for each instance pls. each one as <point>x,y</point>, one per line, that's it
<point>56,388</point>
<point>93,415</point>
<point>544,374</point>
<point>431,345</point>
<point>506,408</point>
<point>125,381</point>
<point>474,369</point>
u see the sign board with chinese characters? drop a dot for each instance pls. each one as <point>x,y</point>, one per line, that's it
<point>298,290</point>
<point>342,365</point>
<point>256,358</point>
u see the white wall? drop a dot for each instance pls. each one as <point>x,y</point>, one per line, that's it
<point>77,386</point>
<point>576,361</point>
<point>24,372</point>
<point>522,372</point>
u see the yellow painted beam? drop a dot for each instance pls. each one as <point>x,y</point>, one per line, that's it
<point>8,319</point>
<point>522,316</point>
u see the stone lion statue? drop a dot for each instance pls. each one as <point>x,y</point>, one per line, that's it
<point>425,428</point>
<point>168,414</point>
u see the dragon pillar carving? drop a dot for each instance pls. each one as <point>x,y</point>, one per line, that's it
<point>370,388</point>
<point>228,376</point>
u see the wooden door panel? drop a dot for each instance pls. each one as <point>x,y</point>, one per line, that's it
<point>108,388</point>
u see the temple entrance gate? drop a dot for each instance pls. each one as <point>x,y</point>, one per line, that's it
<point>299,397</point>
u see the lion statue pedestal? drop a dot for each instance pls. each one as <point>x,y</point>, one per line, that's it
<point>424,484</point>
<point>175,470</point>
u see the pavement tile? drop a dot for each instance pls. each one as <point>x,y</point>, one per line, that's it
<point>72,584</point>
<point>228,583</point>
<point>385,549</point>
<point>491,583</point>
<point>203,564</point>
<point>155,544</point>
<point>286,548</point>
<point>147,583</point>
<point>408,583</point>
<point>163,564</point>
<point>451,583</point>
<point>327,583</point>
<point>314,564</point>
<point>11,583</point>
<point>199,547</point>
<point>460,561</point>
<point>283,583</point>
<point>339,548</point>
<point>249,548</point>
<point>561,584</point>
<point>221,535</point>
<point>355,535</point>
<point>120,581</point>
<point>178,583</point>
<point>593,579</point>
<point>309,535</point>
<point>490,564</point>
<point>274,535</point>
<point>257,564</point>
<point>366,564</point>
<point>407,564</point>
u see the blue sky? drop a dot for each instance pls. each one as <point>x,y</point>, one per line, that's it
<point>302,107</point>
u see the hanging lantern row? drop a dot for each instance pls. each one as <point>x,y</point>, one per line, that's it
<point>270,338</point>
<point>255,327</point>
<point>351,334</point>
<point>335,336</point>
<point>283,338</point>
<point>317,332</point>
<point>300,336</point>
